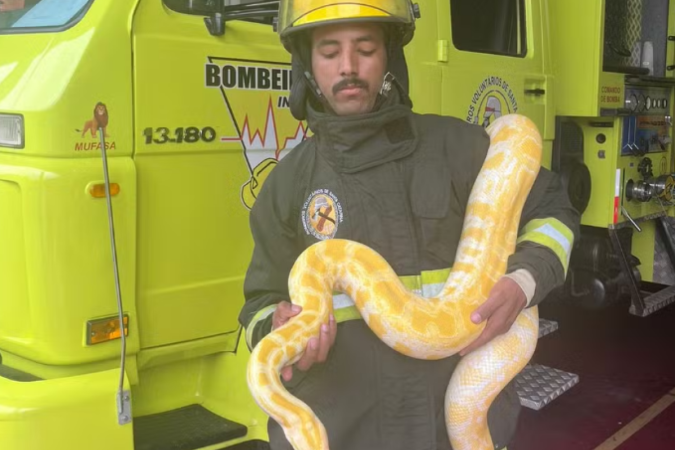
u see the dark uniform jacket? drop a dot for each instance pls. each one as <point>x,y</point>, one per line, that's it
<point>398,182</point>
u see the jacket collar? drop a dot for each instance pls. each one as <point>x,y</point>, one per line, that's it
<point>355,143</point>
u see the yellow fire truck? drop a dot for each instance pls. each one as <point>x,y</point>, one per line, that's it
<point>136,134</point>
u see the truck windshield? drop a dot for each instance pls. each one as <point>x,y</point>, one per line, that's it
<point>25,16</point>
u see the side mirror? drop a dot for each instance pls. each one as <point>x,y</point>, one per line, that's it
<point>215,23</point>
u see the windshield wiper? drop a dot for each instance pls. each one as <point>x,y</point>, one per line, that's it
<point>215,23</point>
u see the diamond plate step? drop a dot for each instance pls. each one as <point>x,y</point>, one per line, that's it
<point>656,301</point>
<point>547,327</point>
<point>538,385</point>
<point>188,428</point>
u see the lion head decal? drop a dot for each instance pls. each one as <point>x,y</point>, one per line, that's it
<point>100,120</point>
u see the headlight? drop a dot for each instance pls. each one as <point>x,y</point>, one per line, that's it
<point>11,131</point>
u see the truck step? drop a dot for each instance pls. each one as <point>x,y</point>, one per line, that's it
<point>539,385</point>
<point>547,327</point>
<point>655,301</point>
<point>187,428</point>
<point>250,445</point>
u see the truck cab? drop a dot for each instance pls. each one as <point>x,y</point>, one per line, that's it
<point>135,136</point>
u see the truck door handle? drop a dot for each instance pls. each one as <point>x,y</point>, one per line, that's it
<point>537,91</point>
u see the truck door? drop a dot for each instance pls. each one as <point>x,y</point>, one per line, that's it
<point>493,58</point>
<point>211,120</point>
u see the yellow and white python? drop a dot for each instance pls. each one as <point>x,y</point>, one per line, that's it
<point>424,328</point>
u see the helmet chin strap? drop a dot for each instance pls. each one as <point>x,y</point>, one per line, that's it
<point>316,90</point>
<point>387,83</point>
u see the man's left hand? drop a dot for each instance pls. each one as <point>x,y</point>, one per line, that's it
<point>501,309</point>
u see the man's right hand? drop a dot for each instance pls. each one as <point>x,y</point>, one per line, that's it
<point>317,347</point>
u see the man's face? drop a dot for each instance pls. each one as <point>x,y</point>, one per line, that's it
<point>349,63</point>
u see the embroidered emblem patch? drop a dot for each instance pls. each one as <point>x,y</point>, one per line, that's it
<point>321,214</point>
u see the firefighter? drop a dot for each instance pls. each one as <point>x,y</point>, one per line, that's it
<point>378,173</point>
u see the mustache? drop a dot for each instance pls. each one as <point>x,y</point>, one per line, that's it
<point>350,82</point>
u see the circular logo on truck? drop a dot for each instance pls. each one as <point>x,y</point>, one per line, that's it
<point>321,214</point>
<point>492,99</point>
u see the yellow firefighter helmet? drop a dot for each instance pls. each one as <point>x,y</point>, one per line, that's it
<point>296,15</point>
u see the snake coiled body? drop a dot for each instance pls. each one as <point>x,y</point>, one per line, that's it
<point>424,328</point>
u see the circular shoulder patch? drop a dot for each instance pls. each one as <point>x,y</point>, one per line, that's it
<point>321,214</point>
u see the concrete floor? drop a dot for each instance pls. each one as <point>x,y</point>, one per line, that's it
<point>626,392</point>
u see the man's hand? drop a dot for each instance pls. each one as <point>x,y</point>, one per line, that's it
<point>505,302</point>
<point>317,347</point>
<point>11,5</point>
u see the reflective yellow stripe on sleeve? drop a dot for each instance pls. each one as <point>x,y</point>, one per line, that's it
<point>550,233</point>
<point>260,315</point>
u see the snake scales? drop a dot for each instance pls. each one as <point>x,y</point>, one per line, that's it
<point>424,328</point>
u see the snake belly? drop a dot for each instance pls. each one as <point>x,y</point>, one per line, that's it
<point>423,328</point>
